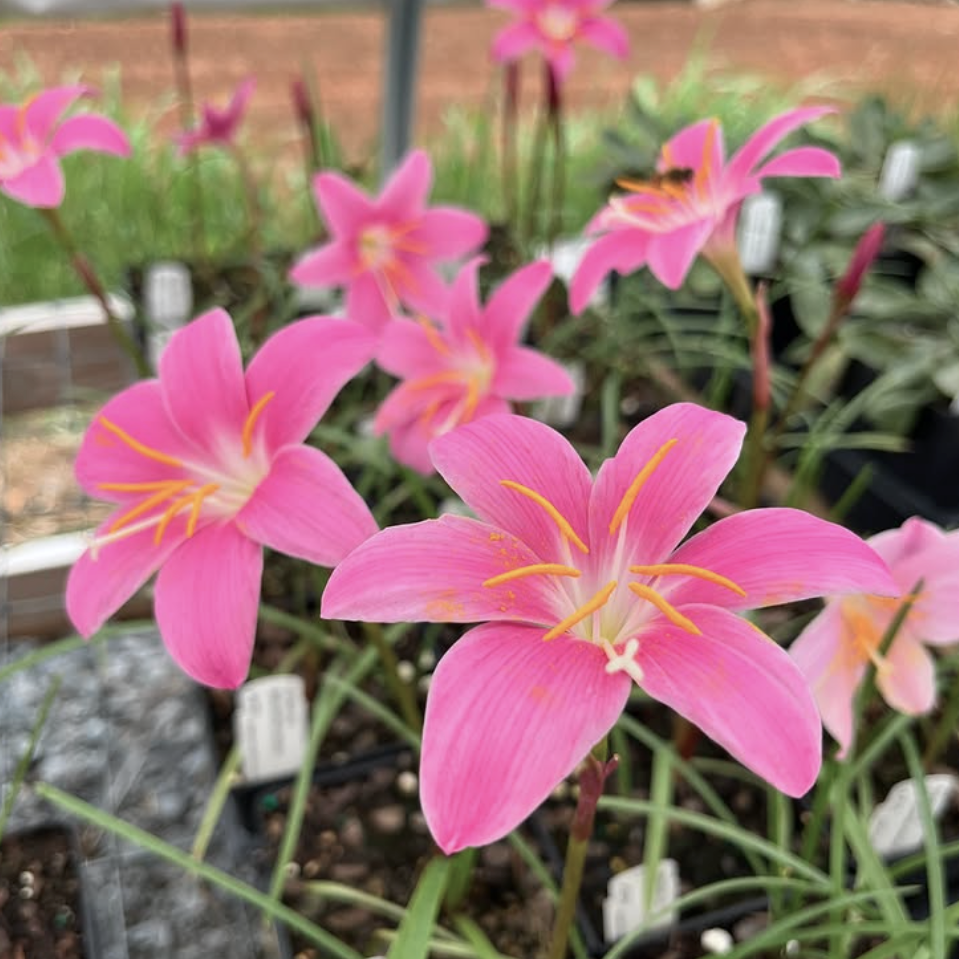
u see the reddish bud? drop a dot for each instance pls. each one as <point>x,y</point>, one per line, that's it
<point>511,76</point>
<point>554,100</point>
<point>867,249</point>
<point>178,27</point>
<point>302,104</point>
<point>762,388</point>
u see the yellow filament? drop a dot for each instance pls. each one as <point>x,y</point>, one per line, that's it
<point>433,335</point>
<point>435,379</point>
<point>138,487</point>
<point>587,609</point>
<point>702,174</point>
<point>629,497</point>
<point>472,400</point>
<point>169,515</point>
<point>195,500</point>
<point>170,488</point>
<point>198,498</point>
<point>668,569</point>
<point>554,514</point>
<point>549,569</point>
<point>139,447</point>
<point>478,344</point>
<point>251,420</point>
<point>670,612</point>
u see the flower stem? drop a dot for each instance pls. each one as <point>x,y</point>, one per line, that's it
<point>592,779</point>
<point>181,71</point>
<point>400,691</point>
<point>91,281</point>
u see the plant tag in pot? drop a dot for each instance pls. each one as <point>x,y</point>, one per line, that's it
<point>563,411</point>
<point>900,171</point>
<point>895,827</point>
<point>167,302</point>
<point>624,908</point>
<point>760,229</point>
<point>271,726</point>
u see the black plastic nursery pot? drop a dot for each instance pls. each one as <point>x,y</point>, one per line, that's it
<point>43,903</point>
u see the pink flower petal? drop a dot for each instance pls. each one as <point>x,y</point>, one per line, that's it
<point>344,207</point>
<point>475,458</point>
<point>802,161</point>
<point>621,250</point>
<point>305,365</point>
<point>101,582</point>
<point>201,375</point>
<point>907,679</point>
<point>512,303</point>
<point>741,689</point>
<point>39,185</point>
<point>405,350</point>
<point>90,132</point>
<point>687,148</point>
<point>421,290</point>
<point>10,122</point>
<point>514,40</point>
<point>743,162</point>
<point>676,492</point>
<point>407,189</point>
<point>434,572</point>
<point>778,556</point>
<point>331,265</point>
<point>607,35</point>
<point>833,668</point>
<point>42,111</point>
<point>561,60</point>
<point>207,596</point>
<point>670,255</point>
<point>104,455</point>
<point>410,437</point>
<point>525,374</point>
<point>366,302</point>
<point>306,507</point>
<point>465,313</point>
<point>446,233</point>
<point>508,718</point>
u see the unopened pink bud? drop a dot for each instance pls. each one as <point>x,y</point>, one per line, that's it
<point>302,104</point>
<point>867,249</point>
<point>178,27</point>
<point>553,92</point>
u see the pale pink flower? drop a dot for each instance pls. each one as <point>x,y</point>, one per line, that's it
<point>469,366</point>
<point>553,26</point>
<point>207,465</point>
<point>834,650</point>
<point>217,127</point>
<point>385,250</point>
<point>692,203</point>
<point>33,137</point>
<point>587,593</point>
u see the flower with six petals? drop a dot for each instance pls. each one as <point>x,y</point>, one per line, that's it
<point>468,366</point>
<point>385,250</point>
<point>207,465</point>
<point>835,649</point>
<point>33,137</point>
<point>586,591</point>
<point>553,26</point>
<point>217,127</point>
<point>692,202</point>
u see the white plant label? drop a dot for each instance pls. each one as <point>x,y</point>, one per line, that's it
<point>562,411</point>
<point>895,827</point>
<point>900,171</point>
<point>760,230</point>
<point>271,726</point>
<point>168,294</point>
<point>624,908</point>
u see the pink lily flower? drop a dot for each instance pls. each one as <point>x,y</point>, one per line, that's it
<point>692,203</point>
<point>834,650</point>
<point>553,26</point>
<point>33,137</point>
<point>207,465</point>
<point>385,250</point>
<point>470,366</point>
<point>217,127</point>
<point>586,593</point>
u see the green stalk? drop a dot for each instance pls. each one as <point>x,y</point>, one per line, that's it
<point>216,802</point>
<point>401,692</point>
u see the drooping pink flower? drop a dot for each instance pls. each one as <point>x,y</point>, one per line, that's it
<point>217,127</point>
<point>692,203</point>
<point>385,250</point>
<point>553,26</point>
<point>835,649</point>
<point>469,366</point>
<point>587,591</point>
<point>207,466</point>
<point>33,137</point>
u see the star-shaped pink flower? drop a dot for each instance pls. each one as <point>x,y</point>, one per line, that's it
<point>218,127</point>
<point>385,251</point>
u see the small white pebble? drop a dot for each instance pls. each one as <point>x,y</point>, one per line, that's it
<point>406,671</point>
<point>792,947</point>
<point>427,660</point>
<point>717,942</point>
<point>407,783</point>
<point>423,685</point>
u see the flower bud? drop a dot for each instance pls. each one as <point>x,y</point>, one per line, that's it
<point>178,27</point>
<point>867,249</point>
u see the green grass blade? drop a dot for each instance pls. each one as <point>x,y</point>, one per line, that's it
<point>413,937</point>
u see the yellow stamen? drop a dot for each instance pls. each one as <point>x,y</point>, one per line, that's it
<point>175,507</point>
<point>140,448</point>
<point>195,501</point>
<point>433,335</point>
<point>629,497</point>
<point>435,379</point>
<point>548,569</point>
<point>198,498</point>
<point>478,344</point>
<point>251,420</point>
<point>684,569</point>
<point>171,488</point>
<point>587,609</point>
<point>554,514</point>
<point>138,487</point>
<point>705,168</point>
<point>472,400</point>
<point>670,612</point>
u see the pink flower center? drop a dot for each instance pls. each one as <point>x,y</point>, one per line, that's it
<point>558,23</point>
<point>16,155</point>
<point>376,247</point>
<point>602,604</point>
<point>220,490</point>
